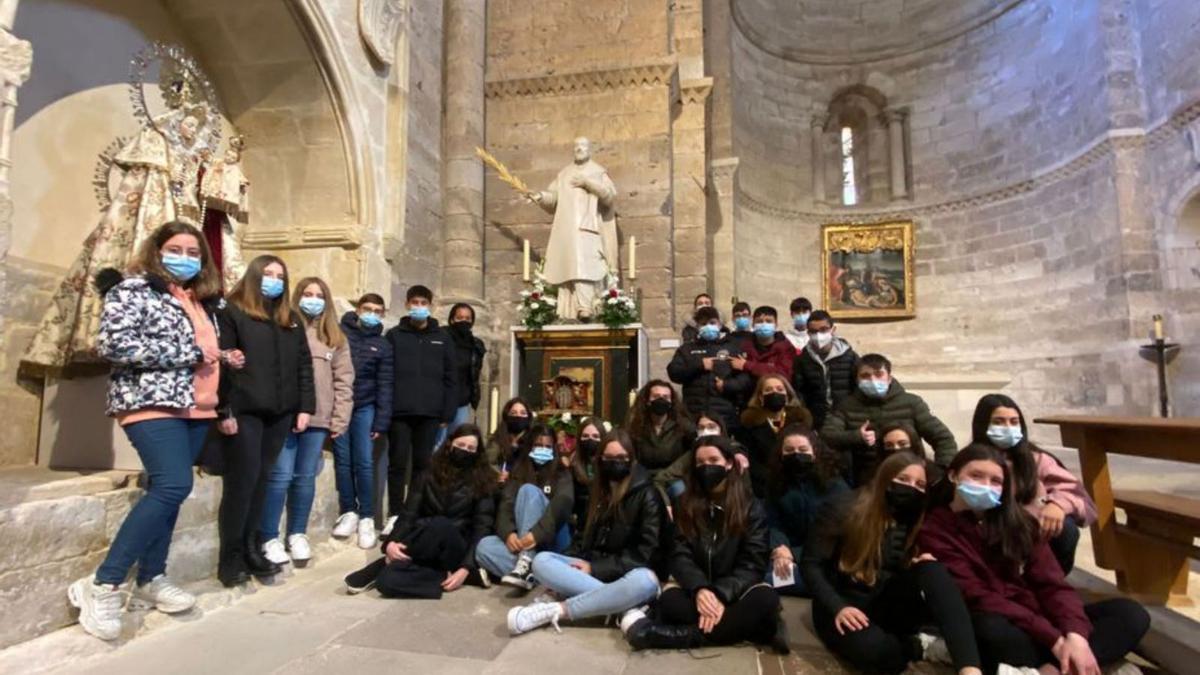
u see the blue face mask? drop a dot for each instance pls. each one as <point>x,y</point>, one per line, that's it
<point>741,322</point>
<point>765,330</point>
<point>978,497</point>
<point>312,306</point>
<point>542,455</point>
<point>709,332</point>
<point>874,388</point>
<point>418,313</point>
<point>272,287</point>
<point>369,319</point>
<point>1004,436</point>
<point>182,267</point>
<point>800,321</point>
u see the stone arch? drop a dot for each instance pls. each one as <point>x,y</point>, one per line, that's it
<point>862,109</point>
<point>1181,239</point>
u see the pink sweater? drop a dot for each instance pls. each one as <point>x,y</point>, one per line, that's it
<point>1058,486</point>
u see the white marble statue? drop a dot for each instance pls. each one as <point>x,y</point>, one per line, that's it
<point>583,241</point>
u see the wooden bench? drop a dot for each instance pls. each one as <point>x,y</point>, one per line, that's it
<point>1150,553</point>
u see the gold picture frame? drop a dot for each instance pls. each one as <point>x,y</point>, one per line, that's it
<point>861,267</point>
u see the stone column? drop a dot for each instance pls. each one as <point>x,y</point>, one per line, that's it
<point>722,228</point>
<point>462,131</point>
<point>895,125</point>
<point>817,129</point>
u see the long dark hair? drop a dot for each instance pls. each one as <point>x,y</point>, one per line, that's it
<point>825,460</point>
<point>1008,527</point>
<point>525,471</point>
<point>869,519</point>
<point>205,285</point>
<point>640,423</point>
<point>691,516</point>
<point>480,477</point>
<point>579,466</point>
<point>1022,456</point>
<point>604,498</point>
<point>501,438</point>
<point>713,416</point>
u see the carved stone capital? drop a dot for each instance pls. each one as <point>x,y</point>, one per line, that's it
<point>379,23</point>
<point>894,116</point>
<point>695,91</point>
<point>16,57</point>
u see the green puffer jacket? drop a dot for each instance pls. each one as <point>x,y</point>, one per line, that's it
<point>841,428</point>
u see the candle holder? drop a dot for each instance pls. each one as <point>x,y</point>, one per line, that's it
<point>1161,353</point>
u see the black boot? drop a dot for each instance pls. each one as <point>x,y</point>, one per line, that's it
<point>779,643</point>
<point>232,573</point>
<point>647,634</point>
<point>364,580</point>
<point>256,562</point>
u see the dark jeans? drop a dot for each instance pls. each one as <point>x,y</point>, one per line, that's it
<point>354,465</point>
<point>249,456</point>
<point>1117,627</point>
<point>751,618</point>
<point>1064,545</point>
<point>167,448</point>
<point>924,594</point>
<point>410,439</point>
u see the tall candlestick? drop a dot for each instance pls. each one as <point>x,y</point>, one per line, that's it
<point>1158,327</point>
<point>632,258</point>
<point>495,410</point>
<point>525,260</point>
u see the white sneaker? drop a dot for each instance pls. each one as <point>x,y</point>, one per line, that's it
<point>345,525</point>
<point>529,617</point>
<point>1005,669</point>
<point>299,548</point>
<point>273,550</point>
<point>388,525</point>
<point>162,595</point>
<point>934,649</point>
<point>366,533</point>
<point>631,617</point>
<point>99,606</point>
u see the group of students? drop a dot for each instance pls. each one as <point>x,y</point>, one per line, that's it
<point>784,464</point>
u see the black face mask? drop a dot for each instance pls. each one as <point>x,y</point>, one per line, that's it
<point>614,470</point>
<point>515,424</point>
<point>775,402</point>
<point>710,476</point>
<point>798,464</point>
<point>904,502</point>
<point>461,458</point>
<point>660,406</point>
<point>589,447</point>
<point>461,327</point>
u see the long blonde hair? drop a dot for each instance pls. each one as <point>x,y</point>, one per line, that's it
<point>868,520</point>
<point>328,330</point>
<point>756,401</point>
<point>247,293</point>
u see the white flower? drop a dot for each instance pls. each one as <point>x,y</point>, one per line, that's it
<point>525,294</point>
<point>607,426</point>
<point>551,302</point>
<point>535,305</point>
<point>566,417</point>
<point>612,301</point>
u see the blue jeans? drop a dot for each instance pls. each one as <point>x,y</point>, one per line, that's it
<point>586,595</point>
<point>168,448</point>
<point>293,478</point>
<point>354,468</point>
<point>461,415</point>
<point>493,555</point>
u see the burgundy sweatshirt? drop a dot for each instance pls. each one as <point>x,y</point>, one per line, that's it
<point>775,359</point>
<point>1037,599</point>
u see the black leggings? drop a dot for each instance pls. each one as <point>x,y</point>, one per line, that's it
<point>249,455</point>
<point>1117,627</point>
<point>1064,545</point>
<point>922,595</point>
<point>409,438</point>
<point>751,618</point>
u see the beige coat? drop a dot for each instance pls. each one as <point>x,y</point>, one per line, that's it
<point>333,379</point>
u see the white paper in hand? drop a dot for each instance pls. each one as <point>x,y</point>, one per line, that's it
<point>786,580</point>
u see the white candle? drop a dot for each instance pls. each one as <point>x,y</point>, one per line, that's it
<point>495,410</point>
<point>1158,327</point>
<point>525,261</point>
<point>632,258</point>
<point>632,399</point>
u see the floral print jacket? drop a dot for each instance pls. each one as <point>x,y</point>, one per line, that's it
<point>149,340</point>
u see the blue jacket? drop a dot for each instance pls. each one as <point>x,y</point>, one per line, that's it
<point>373,369</point>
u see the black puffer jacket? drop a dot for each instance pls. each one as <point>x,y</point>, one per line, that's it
<point>728,566</point>
<point>468,365</point>
<point>628,537</point>
<point>700,386</point>
<point>424,385</point>
<point>472,516</point>
<point>824,382</point>
<point>278,377</point>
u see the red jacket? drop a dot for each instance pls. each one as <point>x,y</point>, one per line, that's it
<point>777,359</point>
<point>1037,599</point>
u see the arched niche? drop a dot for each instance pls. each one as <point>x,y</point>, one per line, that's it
<point>859,129</point>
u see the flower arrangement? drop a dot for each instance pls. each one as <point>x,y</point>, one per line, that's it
<point>617,307</point>
<point>538,302</point>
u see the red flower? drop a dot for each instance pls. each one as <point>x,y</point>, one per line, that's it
<point>536,296</point>
<point>612,292</point>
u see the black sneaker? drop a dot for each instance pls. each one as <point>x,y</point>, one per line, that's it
<point>521,575</point>
<point>364,580</point>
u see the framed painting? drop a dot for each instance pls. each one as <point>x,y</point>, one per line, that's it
<point>867,271</point>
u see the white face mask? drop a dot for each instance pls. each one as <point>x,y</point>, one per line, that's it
<point>823,339</point>
<point>700,433</point>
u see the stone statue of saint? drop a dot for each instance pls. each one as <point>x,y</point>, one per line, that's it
<point>583,240</point>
